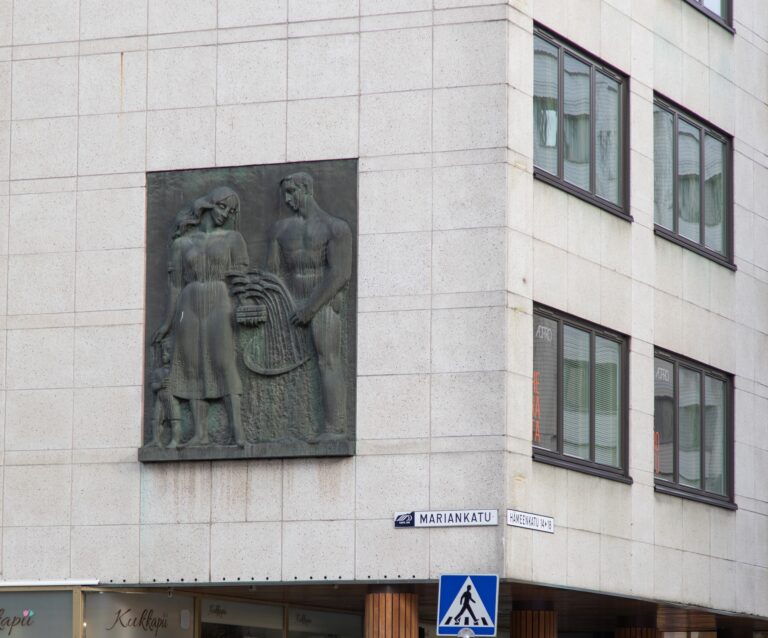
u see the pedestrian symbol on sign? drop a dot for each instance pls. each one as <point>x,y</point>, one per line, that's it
<point>466,599</point>
<point>467,605</point>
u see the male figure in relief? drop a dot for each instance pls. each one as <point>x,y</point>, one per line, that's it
<point>312,252</point>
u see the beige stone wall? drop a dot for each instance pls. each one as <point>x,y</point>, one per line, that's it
<point>92,95</point>
<point>570,255</point>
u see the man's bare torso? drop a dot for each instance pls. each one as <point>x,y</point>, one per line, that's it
<point>303,244</point>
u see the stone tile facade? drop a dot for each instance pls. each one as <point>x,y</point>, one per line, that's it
<point>456,242</point>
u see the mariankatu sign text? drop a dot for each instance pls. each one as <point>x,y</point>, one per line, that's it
<point>531,521</point>
<point>447,518</point>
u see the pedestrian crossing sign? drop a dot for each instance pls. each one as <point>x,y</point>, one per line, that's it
<point>467,605</point>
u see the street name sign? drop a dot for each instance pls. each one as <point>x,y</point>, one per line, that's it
<point>527,520</point>
<point>447,518</point>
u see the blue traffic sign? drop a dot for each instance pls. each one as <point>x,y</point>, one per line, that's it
<point>467,605</point>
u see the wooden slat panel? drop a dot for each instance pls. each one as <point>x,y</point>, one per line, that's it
<point>368,620</point>
<point>391,615</point>
<point>527,623</point>
<point>381,611</point>
<point>396,615</point>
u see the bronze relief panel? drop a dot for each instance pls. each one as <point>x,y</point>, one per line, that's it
<point>251,302</point>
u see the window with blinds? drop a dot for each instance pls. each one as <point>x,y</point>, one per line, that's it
<point>579,412</point>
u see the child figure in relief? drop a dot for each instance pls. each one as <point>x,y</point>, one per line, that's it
<point>167,410</point>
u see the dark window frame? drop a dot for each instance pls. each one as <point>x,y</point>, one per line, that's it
<point>725,21</point>
<point>595,64</point>
<point>558,457</point>
<point>705,128</point>
<point>674,487</point>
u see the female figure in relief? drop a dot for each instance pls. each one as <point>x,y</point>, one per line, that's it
<point>205,247</point>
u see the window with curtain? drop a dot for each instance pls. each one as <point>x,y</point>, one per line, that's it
<point>579,115</point>
<point>692,166</point>
<point>692,425</point>
<point>579,406</point>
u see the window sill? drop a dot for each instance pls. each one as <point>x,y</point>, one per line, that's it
<point>711,15</point>
<point>672,489</point>
<point>550,458</point>
<point>660,231</point>
<point>581,194</point>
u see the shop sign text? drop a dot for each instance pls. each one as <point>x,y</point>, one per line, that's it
<point>11,622</point>
<point>146,620</point>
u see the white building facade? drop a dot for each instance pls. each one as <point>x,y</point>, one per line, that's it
<point>595,171</point>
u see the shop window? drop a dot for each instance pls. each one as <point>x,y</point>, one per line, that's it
<point>579,116</point>
<point>719,10</point>
<point>120,614</point>
<point>579,395</point>
<point>232,619</point>
<point>692,430</point>
<point>36,614</point>
<point>311,623</point>
<point>692,183</point>
<point>172,615</point>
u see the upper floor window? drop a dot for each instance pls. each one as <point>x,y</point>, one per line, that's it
<point>579,395</point>
<point>579,121</point>
<point>692,182</point>
<point>719,10</point>
<point>692,430</point>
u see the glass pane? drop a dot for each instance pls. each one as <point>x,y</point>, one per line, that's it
<point>230,619</point>
<point>576,125</point>
<point>544,383</point>
<point>714,194</point>
<point>37,614</point>
<point>576,392</point>
<point>607,138</point>
<point>714,435</point>
<point>545,96</point>
<point>127,614</point>
<point>688,171</point>
<point>663,167</point>
<point>607,402</point>
<point>690,427</point>
<point>308,623</point>
<point>664,420</point>
<point>716,6</point>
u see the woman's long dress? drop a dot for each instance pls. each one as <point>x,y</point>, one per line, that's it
<point>203,364</point>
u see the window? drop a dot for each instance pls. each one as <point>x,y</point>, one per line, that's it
<point>579,115</point>
<point>692,430</point>
<point>718,10</point>
<point>692,183</point>
<point>579,395</point>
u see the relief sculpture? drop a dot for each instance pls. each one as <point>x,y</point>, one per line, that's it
<point>252,349</point>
